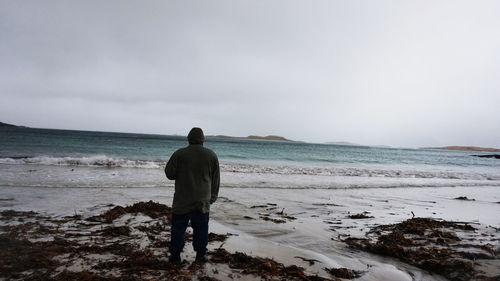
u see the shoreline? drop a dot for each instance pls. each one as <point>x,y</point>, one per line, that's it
<point>321,220</point>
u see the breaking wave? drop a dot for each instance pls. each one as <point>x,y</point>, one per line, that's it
<point>363,172</point>
<point>269,169</point>
<point>92,161</point>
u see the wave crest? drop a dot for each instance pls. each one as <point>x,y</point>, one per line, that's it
<point>362,172</point>
<point>91,161</point>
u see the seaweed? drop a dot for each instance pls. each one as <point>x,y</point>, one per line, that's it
<point>359,216</point>
<point>111,252</point>
<point>326,204</point>
<point>310,261</point>
<point>150,208</point>
<point>266,218</point>
<point>262,267</point>
<point>212,237</point>
<point>116,231</point>
<point>422,242</point>
<point>344,273</point>
<point>258,206</point>
<point>19,255</point>
<point>464,198</point>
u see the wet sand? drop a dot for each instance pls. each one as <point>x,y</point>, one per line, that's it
<point>308,228</point>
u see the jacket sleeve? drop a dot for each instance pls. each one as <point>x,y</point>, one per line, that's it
<point>215,181</point>
<point>171,167</point>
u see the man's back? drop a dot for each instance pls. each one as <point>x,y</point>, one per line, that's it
<point>195,170</point>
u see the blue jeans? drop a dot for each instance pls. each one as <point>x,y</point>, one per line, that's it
<point>199,223</point>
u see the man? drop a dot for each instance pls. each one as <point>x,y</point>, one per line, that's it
<point>195,170</point>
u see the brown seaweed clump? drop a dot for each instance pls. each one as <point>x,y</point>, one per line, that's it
<point>266,218</point>
<point>20,255</point>
<point>42,248</point>
<point>360,216</point>
<point>265,268</point>
<point>429,244</point>
<point>150,208</point>
<point>344,273</point>
<point>464,198</point>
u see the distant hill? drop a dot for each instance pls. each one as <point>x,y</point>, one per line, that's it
<point>6,125</point>
<point>472,148</point>
<point>252,137</point>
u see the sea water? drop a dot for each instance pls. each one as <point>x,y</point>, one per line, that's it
<point>64,158</point>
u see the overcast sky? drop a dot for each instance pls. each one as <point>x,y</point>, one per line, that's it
<point>400,73</point>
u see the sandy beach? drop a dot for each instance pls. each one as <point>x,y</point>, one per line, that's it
<point>312,229</point>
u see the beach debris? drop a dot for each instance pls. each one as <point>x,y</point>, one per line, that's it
<point>266,218</point>
<point>150,208</point>
<point>11,214</point>
<point>326,204</point>
<point>464,198</point>
<point>332,222</point>
<point>310,261</point>
<point>430,244</point>
<point>344,273</point>
<point>360,216</point>
<point>213,237</point>
<point>207,278</point>
<point>116,231</point>
<point>258,206</point>
<point>75,248</point>
<point>34,255</point>
<point>263,267</point>
<point>282,217</point>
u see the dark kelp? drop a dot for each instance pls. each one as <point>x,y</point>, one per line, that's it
<point>426,243</point>
<point>72,239</point>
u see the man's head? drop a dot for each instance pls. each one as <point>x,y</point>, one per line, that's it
<point>196,136</point>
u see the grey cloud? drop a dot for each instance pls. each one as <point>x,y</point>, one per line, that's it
<point>375,72</point>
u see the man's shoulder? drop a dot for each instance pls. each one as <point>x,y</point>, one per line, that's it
<point>195,150</point>
<point>210,152</point>
<point>180,151</point>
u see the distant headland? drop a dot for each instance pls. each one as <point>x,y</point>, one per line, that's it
<point>252,137</point>
<point>470,148</point>
<point>7,125</point>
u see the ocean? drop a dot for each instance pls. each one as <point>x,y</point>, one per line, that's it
<point>65,158</point>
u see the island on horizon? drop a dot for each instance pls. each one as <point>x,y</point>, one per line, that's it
<point>469,148</point>
<point>2,124</point>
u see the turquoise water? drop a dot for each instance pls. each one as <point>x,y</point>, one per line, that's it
<point>24,142</point>
<point>272,163</point>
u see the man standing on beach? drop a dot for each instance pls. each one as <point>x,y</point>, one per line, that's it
<point>195,170</point>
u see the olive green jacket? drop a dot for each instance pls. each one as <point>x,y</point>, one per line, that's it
<point>195,170</point>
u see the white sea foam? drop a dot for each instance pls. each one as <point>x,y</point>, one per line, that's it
<point>92,161</point>
<point>301,169</point>
<point>366,171</point>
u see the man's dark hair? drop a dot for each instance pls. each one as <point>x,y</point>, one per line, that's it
<point>196,136</point>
